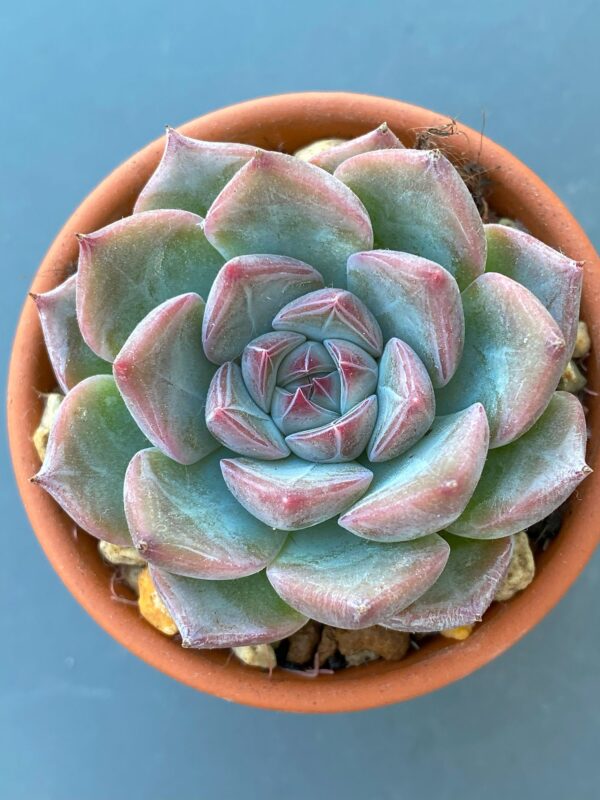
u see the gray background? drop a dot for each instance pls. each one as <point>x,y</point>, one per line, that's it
<point>84,86</point>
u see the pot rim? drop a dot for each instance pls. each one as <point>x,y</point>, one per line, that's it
<point>292,121</point>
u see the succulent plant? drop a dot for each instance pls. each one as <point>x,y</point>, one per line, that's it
<point>331,396</point>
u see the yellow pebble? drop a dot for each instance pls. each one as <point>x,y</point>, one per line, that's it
<point>572,380</point>
<point>152,608</point>
<point>257,655</point>
<point>461,633</point>
<point>40,437</point>
<point>311,150</point>
<point>583,342</point>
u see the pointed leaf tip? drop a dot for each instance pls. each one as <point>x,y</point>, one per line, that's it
<point>212,614</point>
<point>184,520</point>
<point>71,358</point>
<point>381,138</point>
<point>525,481</point>
<point>236,421</point>
<point>131,266</point>
<point>418,203</point>
<point>261,360</point>
<point>90,445</point>
<point>294,494</point>
<point>163,376</point>
<point>263,209</point>
<point>191,173</point>
<point>246,295</point>
<point>341,580</point>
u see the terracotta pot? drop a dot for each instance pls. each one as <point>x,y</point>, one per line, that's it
<point>286,123</point>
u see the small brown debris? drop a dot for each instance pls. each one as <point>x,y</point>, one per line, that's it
<point>583,342</point>
<point>151,607</point>
<point>521,569</point>
<point>257,655</point>
<point>303,643</point>
<point>119,555</point>
<point>368,644</point>
<point>460,634</point>
<point>313,149</point>
<point>327,646</point>
<point>40,437</point>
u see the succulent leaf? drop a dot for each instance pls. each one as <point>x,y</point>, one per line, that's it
<point>236,421</point>
<point>342,439</point>
<point>326,391</point>
<point>92,441</point>
<point>526,480</point>
<point>246,295</point>
<point>464,590</point>
<point>191,173</point>
<point>418,203</point>
<point>428,487</point>
<point>381,138</point>
<point>552,277</point>
<point>294,494</point>
<point>163,376</point>
<point>71,358</point>
<point>295,411</point>
<point>183,519</point>
<point>357,370</point>
<point>213,614</point>
<point>405,400</point>
<point>261,360</point>
<point>263,209</point>
<point>133,265</point>
<point>309,358</point>
<point>332,314</point>
<point>341,580</point>
<point>414,300</point>
<point>513,357</point>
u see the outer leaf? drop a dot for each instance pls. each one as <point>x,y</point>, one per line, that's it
<point>381,138</point>
<point>236,421</point>
<point>310,358</point>
<point>134,265</point>
<point>293,494</point>
<point>295,411</point>
<point>418,203</point>
<point>552,277</point>
<point>91,443</point>
<point>71,358</point>
<point>415,300</point>
<point>183,519</point>
<point>428,487</point>
<point>246,295</point>
<point>348,582</point>
<point>513,357</point>
<point>464,590</point>
<point>192,173</point>
<point>261,360</point>
<point>357,371</point>
<point>332,314</point>
<point>213,614</point>
<point>264,209</point>
<point>341,440</point>
<point>406,404</point>
<point>163,376</point>
<point>525,481</point>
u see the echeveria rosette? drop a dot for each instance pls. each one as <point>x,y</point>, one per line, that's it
<point>334,397</point>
